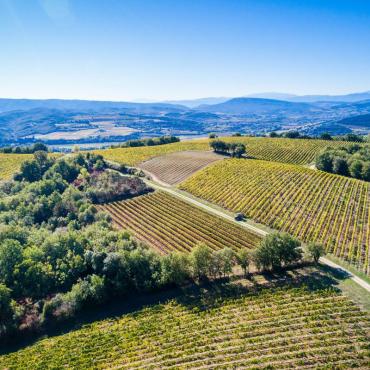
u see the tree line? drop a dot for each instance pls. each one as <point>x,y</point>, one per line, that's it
<point>24,149</point>
<point>352,161</point>
<point>148,142</point>
<point>293,134</point>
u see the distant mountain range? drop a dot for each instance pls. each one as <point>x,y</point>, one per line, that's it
<point>255,106</point>
<point>348,98</point>
<point>82,121</point>
<point>322,98</point>
<point>7,105</point>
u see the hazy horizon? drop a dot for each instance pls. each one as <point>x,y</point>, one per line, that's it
<point>148,100</point>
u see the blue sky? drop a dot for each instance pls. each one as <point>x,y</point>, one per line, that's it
<point>177,49</point>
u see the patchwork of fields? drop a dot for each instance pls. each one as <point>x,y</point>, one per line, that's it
<point>297,151</point>
<point>11,163</point>
<point>312,205</point>
<point>274,328</point>
<point>176,167</point>
<point>170,224</point>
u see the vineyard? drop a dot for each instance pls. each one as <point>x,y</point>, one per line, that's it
<point>170,224</point>
<point>274,328</point>
<point>176,167</point>
<point>10,163</point>
<point>296,151</point>
<point>312,205</point>
<point>134,156</point>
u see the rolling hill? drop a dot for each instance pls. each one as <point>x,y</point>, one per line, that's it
<point>256,106</point>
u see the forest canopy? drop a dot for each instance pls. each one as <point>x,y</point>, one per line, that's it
<point>352,161</point>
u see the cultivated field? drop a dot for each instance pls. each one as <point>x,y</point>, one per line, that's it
<point>170,224</point>
<point>287,328</point>
<point>312,205</point>
<point>176,167</point>
<point>11,163</point>
<point>136,155</point>
<point>271,149</point>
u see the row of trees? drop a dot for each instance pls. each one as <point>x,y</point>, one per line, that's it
<point>293,134</point>
<point>141,269</point>
<point>236,150</point>
<point>98,264</point>
<point>24,149</point>
<point>352,161</point>
<point>148,142</point>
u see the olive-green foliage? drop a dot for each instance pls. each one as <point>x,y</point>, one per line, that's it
<point>316,251</point>
<point>201,260</point>
<point>243,258</point>
<point>277,250</point>
<point>7,313</point>
<point>353,161</point>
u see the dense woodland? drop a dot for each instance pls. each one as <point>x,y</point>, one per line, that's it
<point>351,161</point>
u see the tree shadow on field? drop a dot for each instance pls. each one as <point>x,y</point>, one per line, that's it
<point>204,296</point>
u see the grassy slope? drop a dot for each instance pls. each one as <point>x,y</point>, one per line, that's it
<point>222,325</point>
<point>309,204</point>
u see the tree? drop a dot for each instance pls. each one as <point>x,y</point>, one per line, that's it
<point>219,146</point>
<point>200,258</point>
<point>287,249</point>
<point>366,171</point>
<point>355,169</point>
<point>316,251</point>
<point>340,166</point>
<point>175,268</point>
<point>324,162</point>
<point>212,136</point>
<point>228,260</point>
<point>39,147</point>
<point>222,262</point>
<point>274,134</point>
<point>353,137</point>
<point>243,258</point>
<point>30,171</point>
<point>67,170</point>
<point>239,150</point>
<point>292,134</point>
<point>277,250</point>
<point>5,300</point>
<point>216,265</point>
<point>7,314</point>
<point>10,256</point>
<point>326,136</point>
